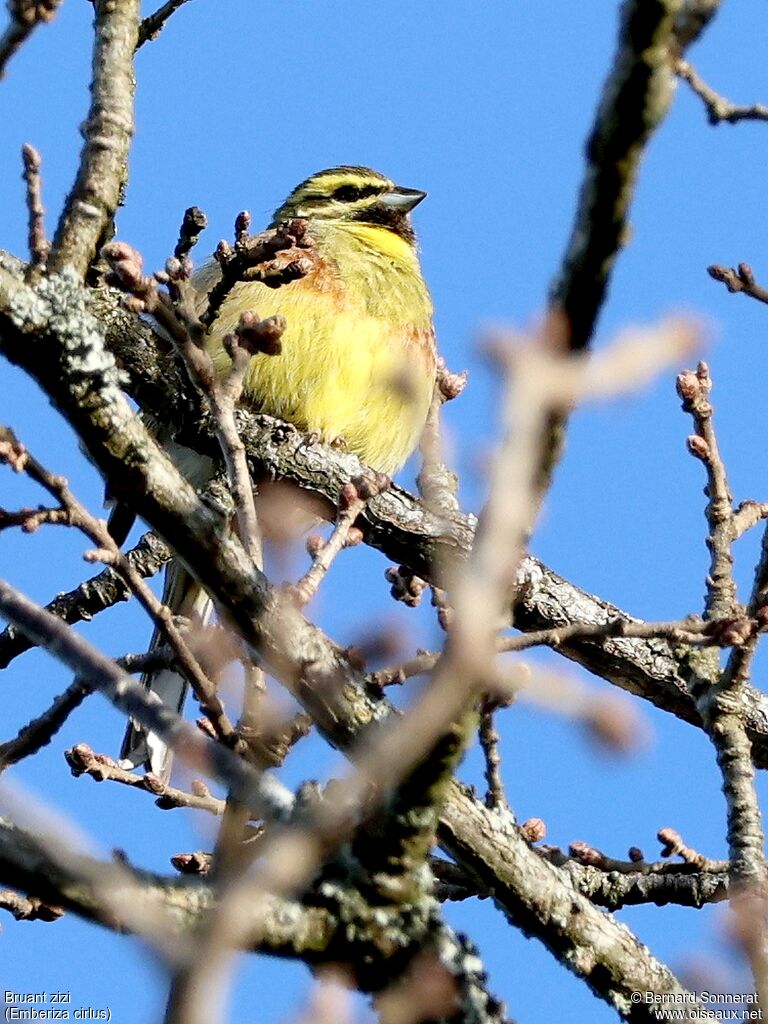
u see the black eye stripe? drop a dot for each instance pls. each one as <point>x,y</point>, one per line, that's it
<point>351,193</point>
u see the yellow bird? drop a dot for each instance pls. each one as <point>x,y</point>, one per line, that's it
<point>357,359</point>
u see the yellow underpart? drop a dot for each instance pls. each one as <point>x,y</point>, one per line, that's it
<point>357,361</point>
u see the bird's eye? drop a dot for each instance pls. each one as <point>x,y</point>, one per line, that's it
<point>347,193</point>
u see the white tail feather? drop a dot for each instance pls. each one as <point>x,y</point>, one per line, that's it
<point>185,597</point>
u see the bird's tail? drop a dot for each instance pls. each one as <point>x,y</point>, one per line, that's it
<point>185,597</point>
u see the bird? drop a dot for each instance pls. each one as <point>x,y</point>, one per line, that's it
<point>356,366</point>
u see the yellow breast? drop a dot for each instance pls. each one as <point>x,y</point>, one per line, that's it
<point>358,359</point>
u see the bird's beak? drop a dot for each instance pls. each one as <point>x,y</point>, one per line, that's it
<point>403,199</point>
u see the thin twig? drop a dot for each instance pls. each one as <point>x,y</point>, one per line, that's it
<point>84,761</point>
<point>352,500</point>
<point>153,24</point>
<point>436,482</point>
<point>489,741</point>
<point>39,732</point>
<point>14,453</point>
<point>26,15</point>
<point>274,257</point>
<point>223,397</point>
<point>31,519</point>
<point>93,596</point>
<point>264,795</point>
<point>719,692</point>
<point>39,245</point>
<point>680,631</point>
<point>28,908</point>
<point>694,388</point>
<point>740,279</point>
<point>673,845</point>
<point>748,514</point>
<point>718,108</point>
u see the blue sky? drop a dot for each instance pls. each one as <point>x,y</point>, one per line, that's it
<point>487,108</point>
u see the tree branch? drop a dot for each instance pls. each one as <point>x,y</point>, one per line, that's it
<point>151,26</point>
<point>635,100</point>
<point>26,15</point>
<point>108,130</point>
<point>90,888</point>
<point>91,597</point>
<point>718,108</point>
<point>260,792</point>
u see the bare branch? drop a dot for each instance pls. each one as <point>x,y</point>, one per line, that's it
<point>14,453</point>
<point>151,27</point>
<point>41,731</point>
<point>436,482</point>
<point>37,241</point>
<point>26,15</point>
<point>541,900</point>
<point>693,389</point>
<point>28,908</point>
<point>108,130</point>
<point>352,501</point>
<point>166,909</point>
<point>739,280</point>
<point>84,761</point>
<point>274,257</point>
<point>262,793</point>
<point>748,514</point>
<point>93,596</point>
<point>718,693</point>
<point>489,741</point>
<point>718,108</point>
<point>635,100</point>
<point>681,631</point>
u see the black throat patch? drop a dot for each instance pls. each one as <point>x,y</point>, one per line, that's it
<point>388,217</point>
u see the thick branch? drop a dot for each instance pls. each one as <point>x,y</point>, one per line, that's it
<point>535,897</point>
<point>84,885</point>
<point>678,884</point>
<point>48,332</point>
<point>636,98</point>
<point>397,524</point>
<point>108,131</point>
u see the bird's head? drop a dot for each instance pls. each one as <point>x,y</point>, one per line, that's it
<point>352,195</point>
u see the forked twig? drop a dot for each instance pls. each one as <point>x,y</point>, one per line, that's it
<point>718,108</point>
<point>352,500</point>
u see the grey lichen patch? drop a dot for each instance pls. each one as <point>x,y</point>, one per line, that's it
<point>57,306</point>
<point>81,336</point>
